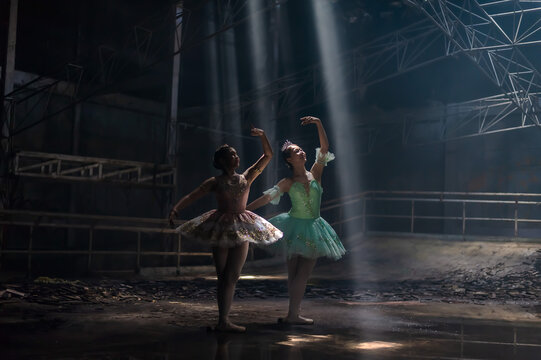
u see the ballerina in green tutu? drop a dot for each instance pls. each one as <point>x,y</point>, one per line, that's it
<point>307,235</point>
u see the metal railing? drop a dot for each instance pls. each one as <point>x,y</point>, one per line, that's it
<point>466,216</point>
<point>91,223</point>
<point>365,206</point>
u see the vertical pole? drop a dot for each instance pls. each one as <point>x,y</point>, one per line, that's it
<point>172,129</point>
<point>516,218</point>
<point>412,215</point>
<point>8,76</point>
<point>90,238</point>
<point>178,254</point>
<point>7,104</point>
<point>30,238</point>
<point>11,45</point>
<point>2,230</point>
<point>463,218</point>
<point>461,340</point>
<point>514,341</point>
<point>364,215</point>
<point>175,82</point>
<point>138,266</point>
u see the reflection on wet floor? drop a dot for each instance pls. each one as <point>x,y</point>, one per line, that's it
<point>396,345</point>
<point>343,331</point>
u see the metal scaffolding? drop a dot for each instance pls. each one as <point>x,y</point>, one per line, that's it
<point>442,122</point>
<point>80,168</point>
<point>491,33</point>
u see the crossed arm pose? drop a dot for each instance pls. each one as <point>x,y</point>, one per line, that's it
<point>307,236</point>
<point>230,228</point>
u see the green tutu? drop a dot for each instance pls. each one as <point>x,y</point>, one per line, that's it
<point>311,238</point>
<point>306,233</point>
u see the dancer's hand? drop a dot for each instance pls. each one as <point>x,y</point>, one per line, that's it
<point>172,217</point>
<point>255,131</point>
<point>305,120</point>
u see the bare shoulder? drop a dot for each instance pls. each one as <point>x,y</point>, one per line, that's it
<point>209,184</point>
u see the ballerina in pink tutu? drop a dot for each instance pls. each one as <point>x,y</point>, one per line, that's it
<point>230,228</point>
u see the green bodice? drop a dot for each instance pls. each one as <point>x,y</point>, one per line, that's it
<point>305,205</point>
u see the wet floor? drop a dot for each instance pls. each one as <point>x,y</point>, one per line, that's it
<point>343,330</point>
<point>392,299</point>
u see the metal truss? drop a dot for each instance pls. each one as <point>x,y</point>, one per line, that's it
<point>89,169</point>
<point>483,116</point>
<point>412,47</point>
<point>491,34</point>
<point>446,122</point>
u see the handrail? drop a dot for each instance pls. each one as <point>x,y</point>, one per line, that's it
<point>33,219</point>
<point>91,223</point>
<point>493,199</point>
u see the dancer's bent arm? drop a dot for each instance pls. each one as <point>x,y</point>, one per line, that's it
<point>319,164</point>
<point>203,189</point>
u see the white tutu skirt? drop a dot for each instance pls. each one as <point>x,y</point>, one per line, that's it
<point>216,228</point>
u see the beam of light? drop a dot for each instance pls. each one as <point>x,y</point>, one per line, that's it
<point>340,118</point>
<point>344,142</point>
<point>212,70</point>
<point>222,83</point>
<point>261,72</point>
<point>230,89</point>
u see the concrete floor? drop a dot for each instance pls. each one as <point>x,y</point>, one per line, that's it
<point>390,298</point>
<point>343,330</point>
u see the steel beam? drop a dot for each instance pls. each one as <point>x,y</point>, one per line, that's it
<point>89,169</point>
<point>492,39</point>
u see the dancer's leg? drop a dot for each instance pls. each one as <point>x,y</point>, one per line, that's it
<point>220,260</point>
<point>299,270</point>
<point>229,263</point>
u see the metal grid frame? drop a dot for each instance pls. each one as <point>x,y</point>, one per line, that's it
<point>491,34</point>
<point>90,169</point>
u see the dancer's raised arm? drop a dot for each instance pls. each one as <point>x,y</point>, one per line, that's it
<point>253,171</point>
<point>323,140</point>
<point>203,189</point>
<point>323,155</point>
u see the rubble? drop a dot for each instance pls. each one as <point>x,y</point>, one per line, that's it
<point>458,286</point>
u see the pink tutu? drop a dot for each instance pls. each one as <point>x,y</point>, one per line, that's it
<point>224,229</point>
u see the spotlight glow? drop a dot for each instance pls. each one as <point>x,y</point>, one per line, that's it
<point>222,83</point>
<point>340,109</point>
<point>377,345</point>
<point>345,143</point>
<point>259,44</point>
<point>295,340</point>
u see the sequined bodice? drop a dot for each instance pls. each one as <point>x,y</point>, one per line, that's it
<point>305,205</point>
<point>232,194</point>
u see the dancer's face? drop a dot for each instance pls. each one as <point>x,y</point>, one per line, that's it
<point>297,156</point>
<point>231,160</point>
